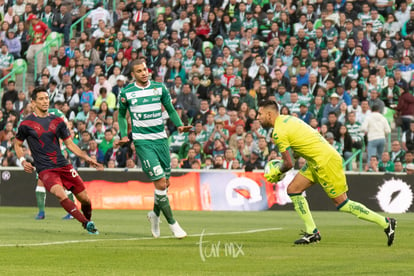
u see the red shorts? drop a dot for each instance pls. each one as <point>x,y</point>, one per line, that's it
<point>65,176</point>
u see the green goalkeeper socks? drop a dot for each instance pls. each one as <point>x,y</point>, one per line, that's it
<point>161,199</point>
<point>40,198</point>
<point>362,212</point>
<point>302,208</point>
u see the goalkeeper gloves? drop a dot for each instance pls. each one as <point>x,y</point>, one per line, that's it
<point>273,174</point>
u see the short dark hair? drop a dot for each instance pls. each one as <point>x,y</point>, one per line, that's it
<point>375,107</point>
<point>137,62</point>
<point>269,104</point>
<point>38,90</point>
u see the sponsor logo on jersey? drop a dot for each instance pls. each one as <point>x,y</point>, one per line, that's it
<point>150,115</point>
<point>132,95</point>
<point>157,91</point>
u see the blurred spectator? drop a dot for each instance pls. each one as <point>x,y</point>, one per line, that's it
<point>105,96</point>
<point>376,127</point>
<point>254,163</point>
<point>84,113</point>
<point>373,164</point>
<point>175,163</point>
<point>354,130</point>
<point>333,106</point>
<point>39,34</point>
<point>398,166</point>
<point>102,83</point>
<point>218,161</point>
<point>107,142</point>
<point>365,112</point>
<point>410,169</point>
<point>21,102</point>
<point>228,159</point>
<point>329,136</point>
<point>201,134</point>
<point>86,95</point>
<point>396,151</point>
<point>7,132</point>
<point>375,100</point>
<point>407,138</point>
<point>345,141</point>
<point>115,153</point>
<point>405,109</point>
<point>91,53</point>
<point>188,101</point>
<point>187,145</point>
<point>214,147</point>
<point>333,124</point>
<point>10,94</point>
<point>222,115</point>
<point>219,132</point>
<point>186,163</point>
<point>386,165</point>
<point>6,62</point>
<point>62,21</point>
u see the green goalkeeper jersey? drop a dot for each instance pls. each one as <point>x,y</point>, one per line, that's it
<point>145,107</point>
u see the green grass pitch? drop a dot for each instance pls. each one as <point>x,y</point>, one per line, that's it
<point>219,243</point>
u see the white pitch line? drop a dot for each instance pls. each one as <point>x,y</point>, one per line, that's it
<point>139,239</point>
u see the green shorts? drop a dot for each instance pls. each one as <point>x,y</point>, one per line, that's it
<point>330,176</point>
<point>155,160</point>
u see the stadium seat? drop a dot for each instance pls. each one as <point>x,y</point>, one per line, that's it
<point>19,67</point>
<point>389,114</point>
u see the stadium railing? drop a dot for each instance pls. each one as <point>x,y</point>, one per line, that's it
<point>80,21</point>
<point>53,42</point>
<point>356,154</point>
<point>19,68</point>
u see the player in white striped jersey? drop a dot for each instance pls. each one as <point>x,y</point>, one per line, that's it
<point>144,100</point>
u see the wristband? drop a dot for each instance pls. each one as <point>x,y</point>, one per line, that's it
<point>22,159</point>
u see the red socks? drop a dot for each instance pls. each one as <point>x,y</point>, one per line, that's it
<point>71,208</point>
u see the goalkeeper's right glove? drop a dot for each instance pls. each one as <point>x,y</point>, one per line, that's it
<point>274,174</point>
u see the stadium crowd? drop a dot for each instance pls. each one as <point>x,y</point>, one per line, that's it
<point>340,66</point>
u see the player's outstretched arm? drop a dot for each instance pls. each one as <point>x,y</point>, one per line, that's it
<point>184,128</point>
<point>18,147</point>
<point>78,152</point>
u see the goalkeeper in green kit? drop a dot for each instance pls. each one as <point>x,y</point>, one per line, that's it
<point>144,100</point>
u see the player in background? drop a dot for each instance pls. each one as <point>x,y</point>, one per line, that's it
<point>324,166</point>
<point>40,188</point>
<point>43,131</point>
<point>144,100</point>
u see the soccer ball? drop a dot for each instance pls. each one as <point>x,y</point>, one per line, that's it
<point>272,164</point>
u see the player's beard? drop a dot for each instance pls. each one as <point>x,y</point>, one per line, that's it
<point>41,110</point>
<point>143,83</point>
